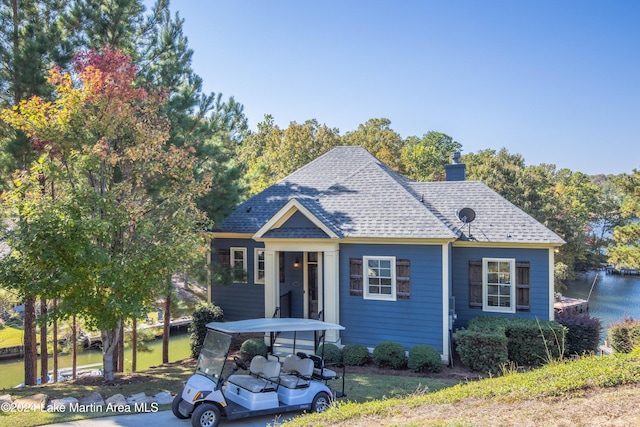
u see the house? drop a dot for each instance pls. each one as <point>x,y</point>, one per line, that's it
<point>347,239</point>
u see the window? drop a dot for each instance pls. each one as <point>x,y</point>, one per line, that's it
<point>498,284</point>
<point>238,261</point>
<point>403,278</point>
<point>379,278</point>
<point>479,287</point>
<point>258,266</point>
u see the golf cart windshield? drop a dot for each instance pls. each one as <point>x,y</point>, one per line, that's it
<point>213,354</point>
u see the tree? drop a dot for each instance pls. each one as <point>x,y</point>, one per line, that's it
<point>626,237</point>
<point>271,153</point>
<point>124,215</point>
<point>423,159</point>
<point>380,140</point>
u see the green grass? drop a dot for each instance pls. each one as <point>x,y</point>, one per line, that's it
<point>163,378</point>
<point>559,379</point>
<point>10,337</point>
<point>360,388</point>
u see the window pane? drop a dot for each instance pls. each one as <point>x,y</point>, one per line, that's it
<point>385,264</point>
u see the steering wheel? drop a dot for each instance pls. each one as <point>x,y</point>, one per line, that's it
<point>240,363</point>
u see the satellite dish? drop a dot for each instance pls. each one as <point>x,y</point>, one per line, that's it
<point>466,215</point>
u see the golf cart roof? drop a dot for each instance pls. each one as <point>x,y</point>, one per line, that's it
<point>272,325</point>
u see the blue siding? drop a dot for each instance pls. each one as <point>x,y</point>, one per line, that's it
<point>239,300</point>
<point>539,281</point>
<point>298,220</point>
<point>417,320</point>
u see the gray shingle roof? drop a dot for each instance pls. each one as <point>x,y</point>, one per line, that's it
<point>356,195</point>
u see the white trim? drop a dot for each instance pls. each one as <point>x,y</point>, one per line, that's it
<point>229,235</point>
<point>256,263</point>
<point>446,291</point>
<point>301,245</point>
<point>552,283</point>
<point>271,282</point>
<point>331,300</point>
<point>512,286</point>
<point>244,260</point>
<point>285,213</point>
<point>365,280</point>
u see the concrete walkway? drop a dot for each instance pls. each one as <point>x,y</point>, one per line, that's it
<point>167,419</point>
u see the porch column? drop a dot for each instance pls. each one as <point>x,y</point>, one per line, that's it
<point>331,292</point>
<point>271,282</point>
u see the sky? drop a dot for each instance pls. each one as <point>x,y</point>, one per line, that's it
<point>555,81</point>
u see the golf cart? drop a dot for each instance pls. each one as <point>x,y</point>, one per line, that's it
<point>298,383</point>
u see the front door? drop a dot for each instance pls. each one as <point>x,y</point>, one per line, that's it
<point>311,284</point>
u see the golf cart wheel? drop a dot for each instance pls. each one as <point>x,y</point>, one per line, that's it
<point>321,402</point>
<point>206,415</point>
<point>175,406</point>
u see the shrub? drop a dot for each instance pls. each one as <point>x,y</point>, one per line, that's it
<point>389,354</point>
<point>582,332</point>
<point>204,314</point>
<point>625,335</point>
<point>355,355</point>
<point>424,358</point>
<point>253,347</point>
<point>482,351</point>
<point>330,352</point>
<point>529,341</point>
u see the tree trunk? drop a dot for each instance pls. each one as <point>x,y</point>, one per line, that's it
<point>110,340</point>
<point>120,362</point>
<point>30,350</point>
<point>166,328</point>
<point>44,353</point>
<point>134,344</point>
<point>74,348</point>
<point>55,343</point>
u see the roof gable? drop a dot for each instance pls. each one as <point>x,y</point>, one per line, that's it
<point>294,219</point>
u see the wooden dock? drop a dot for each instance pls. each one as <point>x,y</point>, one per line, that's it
<point>566,303</point>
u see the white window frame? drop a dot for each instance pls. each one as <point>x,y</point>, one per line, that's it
<point>232,259</point>
<point>256,265</point>
<point>512,285</point>
<point>365,278</point>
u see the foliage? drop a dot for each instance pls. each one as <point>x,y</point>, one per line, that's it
<point>355,355</point>
<point>253,347</point>
<point>530,342</point>
<point>389,354</point>
<point>114,205</point>
<point>423,159</point>
<point>626,237</point>
<point>205,313</point>
<point>144,336</point>
<point>482,351</point>
<point>582,332</point>
<point>271,153</point>
<point>330,352</point>
<point>377,137</point>
<point>424,358</point>
<point>624,336</point>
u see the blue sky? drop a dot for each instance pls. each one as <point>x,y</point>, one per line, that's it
<point>556,81</point>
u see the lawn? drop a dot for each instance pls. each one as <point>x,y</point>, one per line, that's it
<point>360,387</point>
<point>10,337</point>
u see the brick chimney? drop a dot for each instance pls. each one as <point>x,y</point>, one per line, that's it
<point>455,171</point>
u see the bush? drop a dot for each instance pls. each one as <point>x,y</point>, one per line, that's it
<point>424,358</point>
<point>330,352</point>
<point>253,347</point>
<point>204,314</point>
<point>482,351</point>
<point>389,354</point>
<point>355,355</point>
<point>624,336</point>
<point>582,332</point>
<point>529,341</point>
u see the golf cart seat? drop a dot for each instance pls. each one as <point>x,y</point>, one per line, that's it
<point>297,372</point>
<point>263,376</point>
<point>320,372</point>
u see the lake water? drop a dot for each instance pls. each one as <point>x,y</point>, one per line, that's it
<point>12,371</point>
<point>612,299</point>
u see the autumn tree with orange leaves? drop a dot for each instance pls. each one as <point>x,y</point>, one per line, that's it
<point>109,211</point>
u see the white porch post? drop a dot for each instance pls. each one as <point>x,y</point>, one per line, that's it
<point>331,292</point>
<point>271,282</point>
